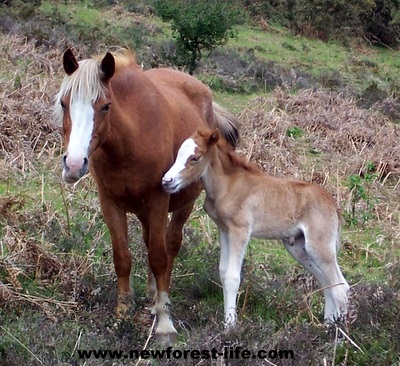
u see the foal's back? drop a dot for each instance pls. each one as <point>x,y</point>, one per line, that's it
<point>274,208</point>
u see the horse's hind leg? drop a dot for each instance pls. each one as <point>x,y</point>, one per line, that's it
<point>151,287</point>
<point>317,254</point>
<point>158,262</point>
<point>175,234</point>
<point>173,243</point>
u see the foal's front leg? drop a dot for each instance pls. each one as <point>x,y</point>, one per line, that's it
<point>233,249</point>
<point>223,262</point>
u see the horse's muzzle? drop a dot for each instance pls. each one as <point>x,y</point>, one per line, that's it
<point>73,170</point>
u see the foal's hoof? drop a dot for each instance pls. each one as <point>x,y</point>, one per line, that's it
<point>166,338</point>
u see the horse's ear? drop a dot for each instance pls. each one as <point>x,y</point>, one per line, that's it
<point>107,66</point>
<point>69,62</point>
<point>214,137</point>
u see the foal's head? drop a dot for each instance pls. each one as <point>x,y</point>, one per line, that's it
<point>82,105</point>
<point>192,161</point>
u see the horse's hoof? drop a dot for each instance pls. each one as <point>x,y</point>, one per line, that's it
<point>153,310</point>
<point>122,311</point>
<point>166,338</point>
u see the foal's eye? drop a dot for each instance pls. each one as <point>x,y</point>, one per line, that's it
<point>63,106</point>
<point>106,107</point>
<point>196,158</point>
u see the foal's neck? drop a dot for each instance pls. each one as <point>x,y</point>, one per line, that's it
<point>222,168</point>
<point>211,179</point>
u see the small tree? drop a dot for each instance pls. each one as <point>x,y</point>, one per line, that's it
<point>198,25</point>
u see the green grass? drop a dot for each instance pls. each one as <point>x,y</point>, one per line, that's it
<point>358,66</point>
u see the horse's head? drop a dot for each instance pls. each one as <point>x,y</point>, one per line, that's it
<point>192,161</point>
<point>83,105</point>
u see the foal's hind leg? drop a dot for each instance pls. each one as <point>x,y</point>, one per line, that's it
<point>319,258</point>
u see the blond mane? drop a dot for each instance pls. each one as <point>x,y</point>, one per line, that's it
<point>85,83</point>
<point>237,160</point>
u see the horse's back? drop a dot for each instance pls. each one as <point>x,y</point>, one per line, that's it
<point>173,79</point>
<point>188,103</point>
<point>184,89</point>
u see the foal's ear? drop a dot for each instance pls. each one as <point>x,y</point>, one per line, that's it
<point>69,62</point>
<point>214,137</point>
<point>107,66</point>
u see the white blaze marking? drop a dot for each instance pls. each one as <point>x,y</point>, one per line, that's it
<point>187,149</point>
<point>82,115</point>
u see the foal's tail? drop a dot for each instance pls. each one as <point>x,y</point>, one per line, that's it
<point>227,123</point>
<point>341,223</point>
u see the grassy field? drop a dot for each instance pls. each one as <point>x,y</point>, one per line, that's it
<point>303,118</point>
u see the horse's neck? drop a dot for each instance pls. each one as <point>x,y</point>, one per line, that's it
<point>121,137</point>
<point>131,111</point>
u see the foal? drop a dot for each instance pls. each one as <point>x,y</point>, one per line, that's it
<point>244,202</point>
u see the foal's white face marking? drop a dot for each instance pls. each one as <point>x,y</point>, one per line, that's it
<point>172,179</point>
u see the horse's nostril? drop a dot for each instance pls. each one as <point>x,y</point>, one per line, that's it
<point>85,165</point>
<point>64,162</point>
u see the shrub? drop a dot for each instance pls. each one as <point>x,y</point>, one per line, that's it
<point>276,11</point>
<point>383,24</point>
<point>375,20</point>
<point>330,19</point>
<point>198,25</point>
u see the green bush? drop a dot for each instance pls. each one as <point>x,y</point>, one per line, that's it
<point>375,20</point>
<point>330,19</point>
<point>276,11</point>
<point>198,25</point>
<point>20,9</point>
<point>383,25</point>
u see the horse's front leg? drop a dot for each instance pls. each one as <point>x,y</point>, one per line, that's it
<point>116,221</point>
<point>158,262</point>
<point>151,282</point>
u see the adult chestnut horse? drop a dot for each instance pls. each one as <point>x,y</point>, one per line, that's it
<point>126,125</point>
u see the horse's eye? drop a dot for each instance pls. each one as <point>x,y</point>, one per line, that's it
<point>106,107</point>
<point>63,106</point>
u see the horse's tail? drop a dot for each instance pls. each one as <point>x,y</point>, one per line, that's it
<point>227,123</point>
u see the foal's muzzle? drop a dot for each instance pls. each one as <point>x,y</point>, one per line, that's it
<point>170,185</point>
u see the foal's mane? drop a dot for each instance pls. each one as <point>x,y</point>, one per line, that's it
<point>86,82</point>
<point>236,160</point>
